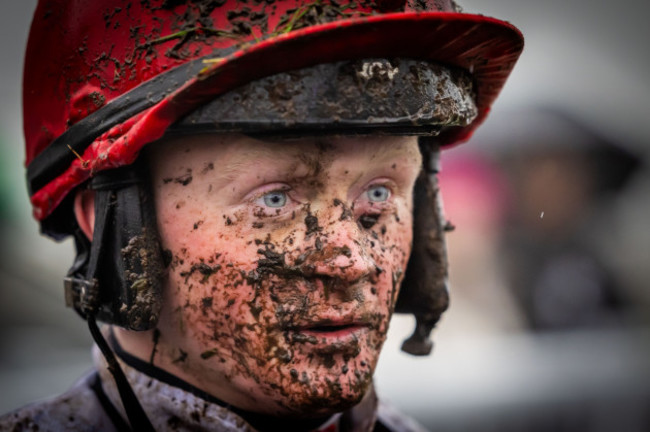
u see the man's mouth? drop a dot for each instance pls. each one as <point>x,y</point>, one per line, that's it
<point>328,332</point>
<point>331,330</point>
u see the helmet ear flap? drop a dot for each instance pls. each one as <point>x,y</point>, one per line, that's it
<point>118,276</point>
<point>424,290</point>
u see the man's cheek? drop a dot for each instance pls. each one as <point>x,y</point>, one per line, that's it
<point>391,245</point>
<point>212,293</point>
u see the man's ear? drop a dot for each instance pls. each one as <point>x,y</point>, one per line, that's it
<point>84,211</point>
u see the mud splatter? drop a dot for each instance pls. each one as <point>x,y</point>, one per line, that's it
<point>311,222</point>
<point>368,221</point>
<point>204,269</point>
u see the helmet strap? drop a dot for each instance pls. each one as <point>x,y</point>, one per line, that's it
<point>424,290</point>
<point>125,256</point>
<point>134,411</point>
<point>118,276</point>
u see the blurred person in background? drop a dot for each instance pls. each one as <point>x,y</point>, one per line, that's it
<point>564,179</point>
<point>540,297</point>
<point>477,200</point>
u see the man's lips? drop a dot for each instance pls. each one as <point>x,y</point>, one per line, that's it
<point>328,331</point>
<point>331,331</point>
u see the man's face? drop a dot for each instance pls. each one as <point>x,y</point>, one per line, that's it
<point>286,261</point>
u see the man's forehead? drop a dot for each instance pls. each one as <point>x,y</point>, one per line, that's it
<point>232,153</point>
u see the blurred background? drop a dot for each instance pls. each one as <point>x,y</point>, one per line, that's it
<point>549,327</point>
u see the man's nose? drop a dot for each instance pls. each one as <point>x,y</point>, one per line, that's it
<point>343,253</point>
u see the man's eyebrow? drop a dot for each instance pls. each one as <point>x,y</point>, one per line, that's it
<point>243,162</point>
<point>389,153</point>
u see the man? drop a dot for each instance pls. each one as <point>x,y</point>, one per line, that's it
<point>249,184</point>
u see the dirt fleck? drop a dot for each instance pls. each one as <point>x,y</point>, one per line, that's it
<point>208,167</point>
<point>97,98</point>
<point>311,222</point>
<point>209,353</point>
<point>203,268</point>
<point>346,212</point>
<point>182,356</point>
<point>206,304</point>
<point>183,179</point>
<point>368,221</point>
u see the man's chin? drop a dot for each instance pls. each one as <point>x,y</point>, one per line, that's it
<point>323,406</point>
<point>327,397</point>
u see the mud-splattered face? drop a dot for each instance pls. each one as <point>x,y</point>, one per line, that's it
<point>286,260</point>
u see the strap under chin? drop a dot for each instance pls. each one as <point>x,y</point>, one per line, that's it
<point>137,417</point>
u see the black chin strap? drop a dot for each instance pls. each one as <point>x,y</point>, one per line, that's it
<point>137,417</point>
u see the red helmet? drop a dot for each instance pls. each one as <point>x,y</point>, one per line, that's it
<point>102,79</point>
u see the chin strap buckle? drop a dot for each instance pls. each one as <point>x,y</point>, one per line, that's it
<point>81,294</point>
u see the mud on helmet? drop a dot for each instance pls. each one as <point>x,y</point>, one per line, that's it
<point>105,78</point>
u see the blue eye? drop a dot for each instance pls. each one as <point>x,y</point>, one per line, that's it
<point>275,199</point>
<point>378,194</point>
